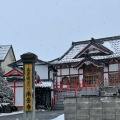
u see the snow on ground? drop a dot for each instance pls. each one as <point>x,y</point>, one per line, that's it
<point>12,113</point>
<point>61,117</point>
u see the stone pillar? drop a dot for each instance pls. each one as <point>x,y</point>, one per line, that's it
<point>29,60</point>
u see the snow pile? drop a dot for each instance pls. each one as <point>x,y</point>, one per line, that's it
<point>61,117</point>
<point>44,84</point>
<point>13,113</point>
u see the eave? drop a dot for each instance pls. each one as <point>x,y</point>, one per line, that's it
<point>89,61</point>
<point>13,72</point>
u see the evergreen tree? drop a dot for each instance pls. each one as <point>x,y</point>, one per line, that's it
<point>6,92</point>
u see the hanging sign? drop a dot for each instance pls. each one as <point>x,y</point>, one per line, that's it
<point>28,87</point>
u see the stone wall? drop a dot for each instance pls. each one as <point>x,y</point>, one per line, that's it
<point>92,108</point>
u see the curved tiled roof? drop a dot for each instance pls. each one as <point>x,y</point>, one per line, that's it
<point>111,43</point>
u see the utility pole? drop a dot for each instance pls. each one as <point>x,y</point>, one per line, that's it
<point>29,60</point>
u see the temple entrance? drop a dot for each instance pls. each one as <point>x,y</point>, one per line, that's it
<point>74,80</point>
<point>43,97</point>
<point>93,75</point>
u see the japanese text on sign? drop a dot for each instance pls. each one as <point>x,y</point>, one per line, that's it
<point>28,87</point>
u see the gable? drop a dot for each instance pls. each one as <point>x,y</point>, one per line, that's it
<point>94,49</point>
<point>4,50</point>
<point>89,61</point>
<point>14,72</point>
<point>6,56</point>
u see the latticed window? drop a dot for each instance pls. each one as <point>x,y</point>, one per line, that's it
<point>114,78</point>
<point>65,80</point>
<point>74,80</point>
<point>93,75</point>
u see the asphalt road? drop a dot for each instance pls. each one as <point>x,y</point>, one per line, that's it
<point>40,115</point>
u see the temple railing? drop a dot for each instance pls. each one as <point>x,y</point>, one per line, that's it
<point>79,87</point>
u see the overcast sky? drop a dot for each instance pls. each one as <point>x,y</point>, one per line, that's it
<point>48,27</point>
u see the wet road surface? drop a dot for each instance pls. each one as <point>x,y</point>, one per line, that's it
<point>40,115</point>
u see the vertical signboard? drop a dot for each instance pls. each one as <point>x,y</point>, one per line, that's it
<point>28,87</point>
<point>29,60</point>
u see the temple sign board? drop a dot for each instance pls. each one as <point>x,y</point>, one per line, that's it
<point>28,87</point>
<point>29,60</point>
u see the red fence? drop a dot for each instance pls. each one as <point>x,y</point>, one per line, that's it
<point>79,86</point>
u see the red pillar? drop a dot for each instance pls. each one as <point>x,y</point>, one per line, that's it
<point>52,102</point>
<point>14,92</point>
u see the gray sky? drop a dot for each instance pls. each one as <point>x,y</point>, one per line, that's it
<point>48,27</point>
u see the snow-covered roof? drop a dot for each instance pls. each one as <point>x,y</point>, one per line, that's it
<point>20,63</point>
<point>3,51</point>
<point>73,52</point>
<point>44,84</point>
<point>111,43</point>
<point>108,45</point>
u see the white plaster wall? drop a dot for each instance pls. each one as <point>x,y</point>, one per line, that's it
<point>19,83</point>
<point>113,67</point>
<point>19,97</point>
<point>42,71</point>
<point>16,83</point>
<point>81,71</point>
<point>58,71</point>
<point>65,71</point>
<point>52,95</point>
<point>73,71</point>
<point>64,86</point>
<point>51,75</point>
<point>105,78</point>
<point>81,78</point>
<point>58,80</point>
<point>106,75</point>
<point>105,69</point>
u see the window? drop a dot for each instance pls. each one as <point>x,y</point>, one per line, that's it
<point>114,78</point>
<point>93,75</point>
<point>65,80</point>
<point>74,80</point>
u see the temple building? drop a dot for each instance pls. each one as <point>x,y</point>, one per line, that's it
<point>44,77</point>
<point>86,65</point>
<point>94,62</point>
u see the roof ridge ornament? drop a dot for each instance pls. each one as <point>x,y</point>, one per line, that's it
<point>92,39</point>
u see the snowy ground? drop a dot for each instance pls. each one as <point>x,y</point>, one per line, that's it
<point>12,113</point>
<point>61,117</point>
